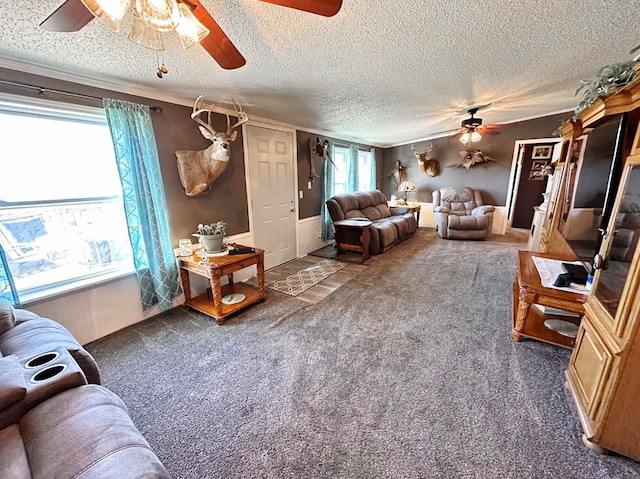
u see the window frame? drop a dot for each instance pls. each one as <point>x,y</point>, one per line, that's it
<point>41,108</point>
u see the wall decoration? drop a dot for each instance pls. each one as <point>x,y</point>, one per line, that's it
<point>469,159</point>
<point>320,149</point>
<point>199,169</point>
<point>397,172</point>
<point>542,152</point>
<point>429,166</point>
<point>538,171</point>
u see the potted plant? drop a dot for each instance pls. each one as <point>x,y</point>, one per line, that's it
<point>211,235</point>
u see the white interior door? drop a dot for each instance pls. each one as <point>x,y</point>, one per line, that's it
<point>273,192</point>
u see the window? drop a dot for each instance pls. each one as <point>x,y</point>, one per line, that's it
<point>62,221</point>
<point>341,178</point>
<point>365,177</point>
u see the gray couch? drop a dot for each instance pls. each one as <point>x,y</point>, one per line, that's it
<point>461,214</point>
<point>388,227</point>
<point>53,422</point>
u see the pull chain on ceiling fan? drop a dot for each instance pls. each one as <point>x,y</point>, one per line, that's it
<point>188,18</point>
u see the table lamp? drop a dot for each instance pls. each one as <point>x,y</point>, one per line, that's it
<point>405,187</point>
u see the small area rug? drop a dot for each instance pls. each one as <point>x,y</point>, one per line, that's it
<point>299,282</point>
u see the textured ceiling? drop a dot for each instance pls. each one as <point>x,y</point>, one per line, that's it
<point>380,72</point>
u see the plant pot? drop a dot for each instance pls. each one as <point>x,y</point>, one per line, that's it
<point>212,243</point>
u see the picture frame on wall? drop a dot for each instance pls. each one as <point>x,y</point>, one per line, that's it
<point>542,152</point>
<point>537,170</point>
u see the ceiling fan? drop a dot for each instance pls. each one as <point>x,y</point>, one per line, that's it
<point>73,15</point>
<point>471,129</point>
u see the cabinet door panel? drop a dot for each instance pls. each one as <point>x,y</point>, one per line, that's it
<point>590,366</point>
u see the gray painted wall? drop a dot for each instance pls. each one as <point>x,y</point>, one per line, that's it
<point>491,178</point>
<point>311,204</point>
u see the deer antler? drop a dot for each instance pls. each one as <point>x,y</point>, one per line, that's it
<point>195,115</point>
<point>242,117</point>
<point>426,153</point>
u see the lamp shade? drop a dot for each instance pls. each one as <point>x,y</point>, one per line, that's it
<point>109,12</point>
<point>407,186</point>
<point>144,35</point>
<point>190,30</point>
<point>161,15</point>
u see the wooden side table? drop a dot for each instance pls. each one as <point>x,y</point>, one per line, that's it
<point>528,290</point>
<point>346,230</point>
<point>215,268</point>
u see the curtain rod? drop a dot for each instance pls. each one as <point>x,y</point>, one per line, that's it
<point>43,90</point>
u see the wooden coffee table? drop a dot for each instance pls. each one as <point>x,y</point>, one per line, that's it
<point>214,268</point>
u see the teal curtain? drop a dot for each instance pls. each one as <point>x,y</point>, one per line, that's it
<point>8,291</point>
<point>353,178</point>
<point>144,202</point>
<point>328,192</point>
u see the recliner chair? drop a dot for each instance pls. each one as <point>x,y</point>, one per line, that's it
<point>461,214</point>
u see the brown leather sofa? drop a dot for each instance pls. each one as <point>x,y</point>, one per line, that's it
<point>388,226</point>
<point>53,423</point>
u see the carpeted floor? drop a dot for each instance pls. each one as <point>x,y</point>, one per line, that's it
<point>406,371</point>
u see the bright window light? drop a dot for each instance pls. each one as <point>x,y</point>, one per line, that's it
<point>62,222</point>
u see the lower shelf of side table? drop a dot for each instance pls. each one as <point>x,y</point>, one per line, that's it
<point>204,302</point>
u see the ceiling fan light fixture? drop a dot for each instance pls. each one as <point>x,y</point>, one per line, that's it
<point>144,35</point>
<point>189,29</point>
<point>475,136</point>
<point>465,137</point>
<point>161,15</point>
<point>109,12</point>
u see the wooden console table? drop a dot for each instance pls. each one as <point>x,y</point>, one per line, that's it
<point>353,235</point>
<point>215,268</point>
<point>528,290</point>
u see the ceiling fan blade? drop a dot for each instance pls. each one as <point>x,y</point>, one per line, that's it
<point>71,16</point>
<point>500,125</point>
<point>327,8</point>
<point>457,133</point>
<point>217,43</point>
<point>489,132</point>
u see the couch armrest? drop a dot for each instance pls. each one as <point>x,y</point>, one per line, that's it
<point>441,209</point>
<point>12,385</point>
<point>398,210</point>
<point>482,210</point>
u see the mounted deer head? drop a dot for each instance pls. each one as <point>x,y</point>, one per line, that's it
<point>199,169</point>
<point>428,166</point>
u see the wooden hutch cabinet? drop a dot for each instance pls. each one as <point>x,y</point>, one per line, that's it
<point>603,375</point>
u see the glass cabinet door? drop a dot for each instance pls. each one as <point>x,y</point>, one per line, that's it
<point>623,235</point>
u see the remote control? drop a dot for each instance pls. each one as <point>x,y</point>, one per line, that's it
<point>241,251</point>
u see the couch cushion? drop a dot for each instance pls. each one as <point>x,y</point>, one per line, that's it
<point>7,317</point>
<point>458,199</point>
<point>405,224</point>
<point>13,457</point>
<point>468,222</point>
<point>12,385</point>
<point>86,432</point>
<point>386,233</point>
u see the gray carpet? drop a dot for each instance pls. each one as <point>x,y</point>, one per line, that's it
<point>407,371</point>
